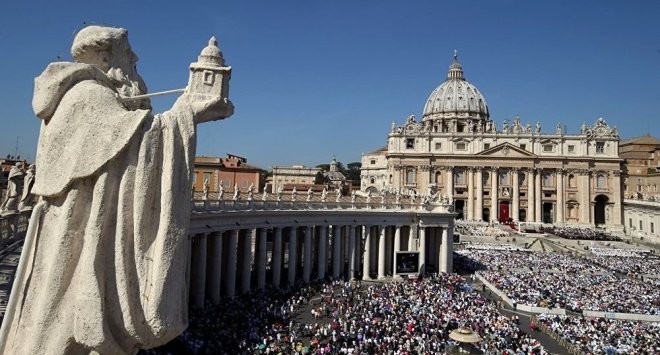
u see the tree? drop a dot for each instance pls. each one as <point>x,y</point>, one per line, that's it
<point>353,173</point>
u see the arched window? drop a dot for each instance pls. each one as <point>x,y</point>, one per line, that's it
<point>600,181</point>
<point>372,180</point>
<point>504,177</point>
<point>410,176</point>
<point>522,177</point>
<point>438,177</point>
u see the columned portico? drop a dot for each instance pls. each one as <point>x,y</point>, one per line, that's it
<point>531,204</point>
<point>352,254</point>
<point>261,258</point>
<point>307,254</point>
<point>560,196</point>
<point>397,248</point>
<point>232,250</point>
<point>337,260</point>
<point>422,250</point>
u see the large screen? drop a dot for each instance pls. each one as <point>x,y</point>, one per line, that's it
<point>407,262</point>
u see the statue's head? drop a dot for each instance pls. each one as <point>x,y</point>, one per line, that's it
<point>108,49</point>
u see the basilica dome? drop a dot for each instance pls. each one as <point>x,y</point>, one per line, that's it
<point>456,98</point>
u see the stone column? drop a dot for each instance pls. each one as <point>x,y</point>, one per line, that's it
<point>215,267</point>
<point>560,197</point>
<point>450,182</point>
<point>493,195</point>
<point>411,238</point>
<point>261,258</point>
<point>479,209</point>
<point>336,251</point>
<point>307,255</point>
<point>352,255</point>
<point>446,249</point>
<point>470,201</point>
<point>277,257</point>
<point>515,201</point>
<point>198,278</point>
<point>323,259</point>
<point>246,269</point>
<point>293,255</point>
<point>538,197</point>
<point>585,194</point>
<point>615,214</point>
<point>366,265</point>
<point>397,248</point>
<point>531,204</point>
<point>381,252</point>
<point>422,250</point>
<point>230,286</point>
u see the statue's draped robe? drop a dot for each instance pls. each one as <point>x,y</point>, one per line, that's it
<point>108,273</point>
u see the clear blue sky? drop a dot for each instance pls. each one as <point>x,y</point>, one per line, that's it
<point>316,78</point>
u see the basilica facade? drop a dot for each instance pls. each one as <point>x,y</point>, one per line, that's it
<point>513,171</point>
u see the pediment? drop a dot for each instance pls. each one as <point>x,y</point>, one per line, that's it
<point>506,150</point>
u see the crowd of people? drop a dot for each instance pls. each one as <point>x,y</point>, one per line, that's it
<point>474,259</point>
<point>579,233</point>
<point>578,292</point>
<point>409,317</point>
<point>632,265</point>
<point>605,336</point>
<point>479,230</point>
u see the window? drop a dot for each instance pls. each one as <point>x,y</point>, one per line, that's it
<point>630,222</point>
<point>486,145</point>
<point>571,148</point>
<point>438,145</point>
<point>547,179</point>
<point>504,178</point>
<point>572,181</point>
<point>640,225</point>
<point>652,229</point>
<point>461,128</point>
<point>547,148</point>
<point>410,143</point>
<point>600,147</point>
<point>600,181</point>
<point>459,178</point>
<point>372,180</point>
<point>460,146</point>
<point>391,178</point>
<point>523,146</point>
<point>372,162</point>
<point>410,176</point>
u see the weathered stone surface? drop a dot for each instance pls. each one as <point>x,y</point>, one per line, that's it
<point>108,272</point>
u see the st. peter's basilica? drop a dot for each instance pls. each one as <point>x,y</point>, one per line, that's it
<point>512,171</point>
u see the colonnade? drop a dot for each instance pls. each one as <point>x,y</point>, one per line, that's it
<point>228,262</point>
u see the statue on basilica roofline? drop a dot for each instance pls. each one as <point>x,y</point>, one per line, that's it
<point>538,127</point>
<point>108,239</point>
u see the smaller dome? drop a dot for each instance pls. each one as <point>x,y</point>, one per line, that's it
<point>211,54</point>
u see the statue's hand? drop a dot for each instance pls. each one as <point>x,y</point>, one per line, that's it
<point>204,108</point>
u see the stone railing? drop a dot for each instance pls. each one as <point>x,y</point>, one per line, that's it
<point>301,205</point>
<point>13,227</point>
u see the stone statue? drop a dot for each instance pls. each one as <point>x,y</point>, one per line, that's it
<point>353,196</point>
<point>14,186</point>
<point>558,129</point>
<point>237,193</point>
<point>324,194</point>
<point>338,195</point>
<point>310,193</point>
<point>538,127</point>
<point>109,271</point>
<point>27,198</point>
<point>470,126</point>
<point>583,128</point>
<point>250,192</point>
<point>221,191</point>
<point>264,195</point>
<point>397,197</point>
<point>279,193</point>
<point>293,194</point>
<point>528,128</point>
<point>206,189</point>
<point>505,126</point>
